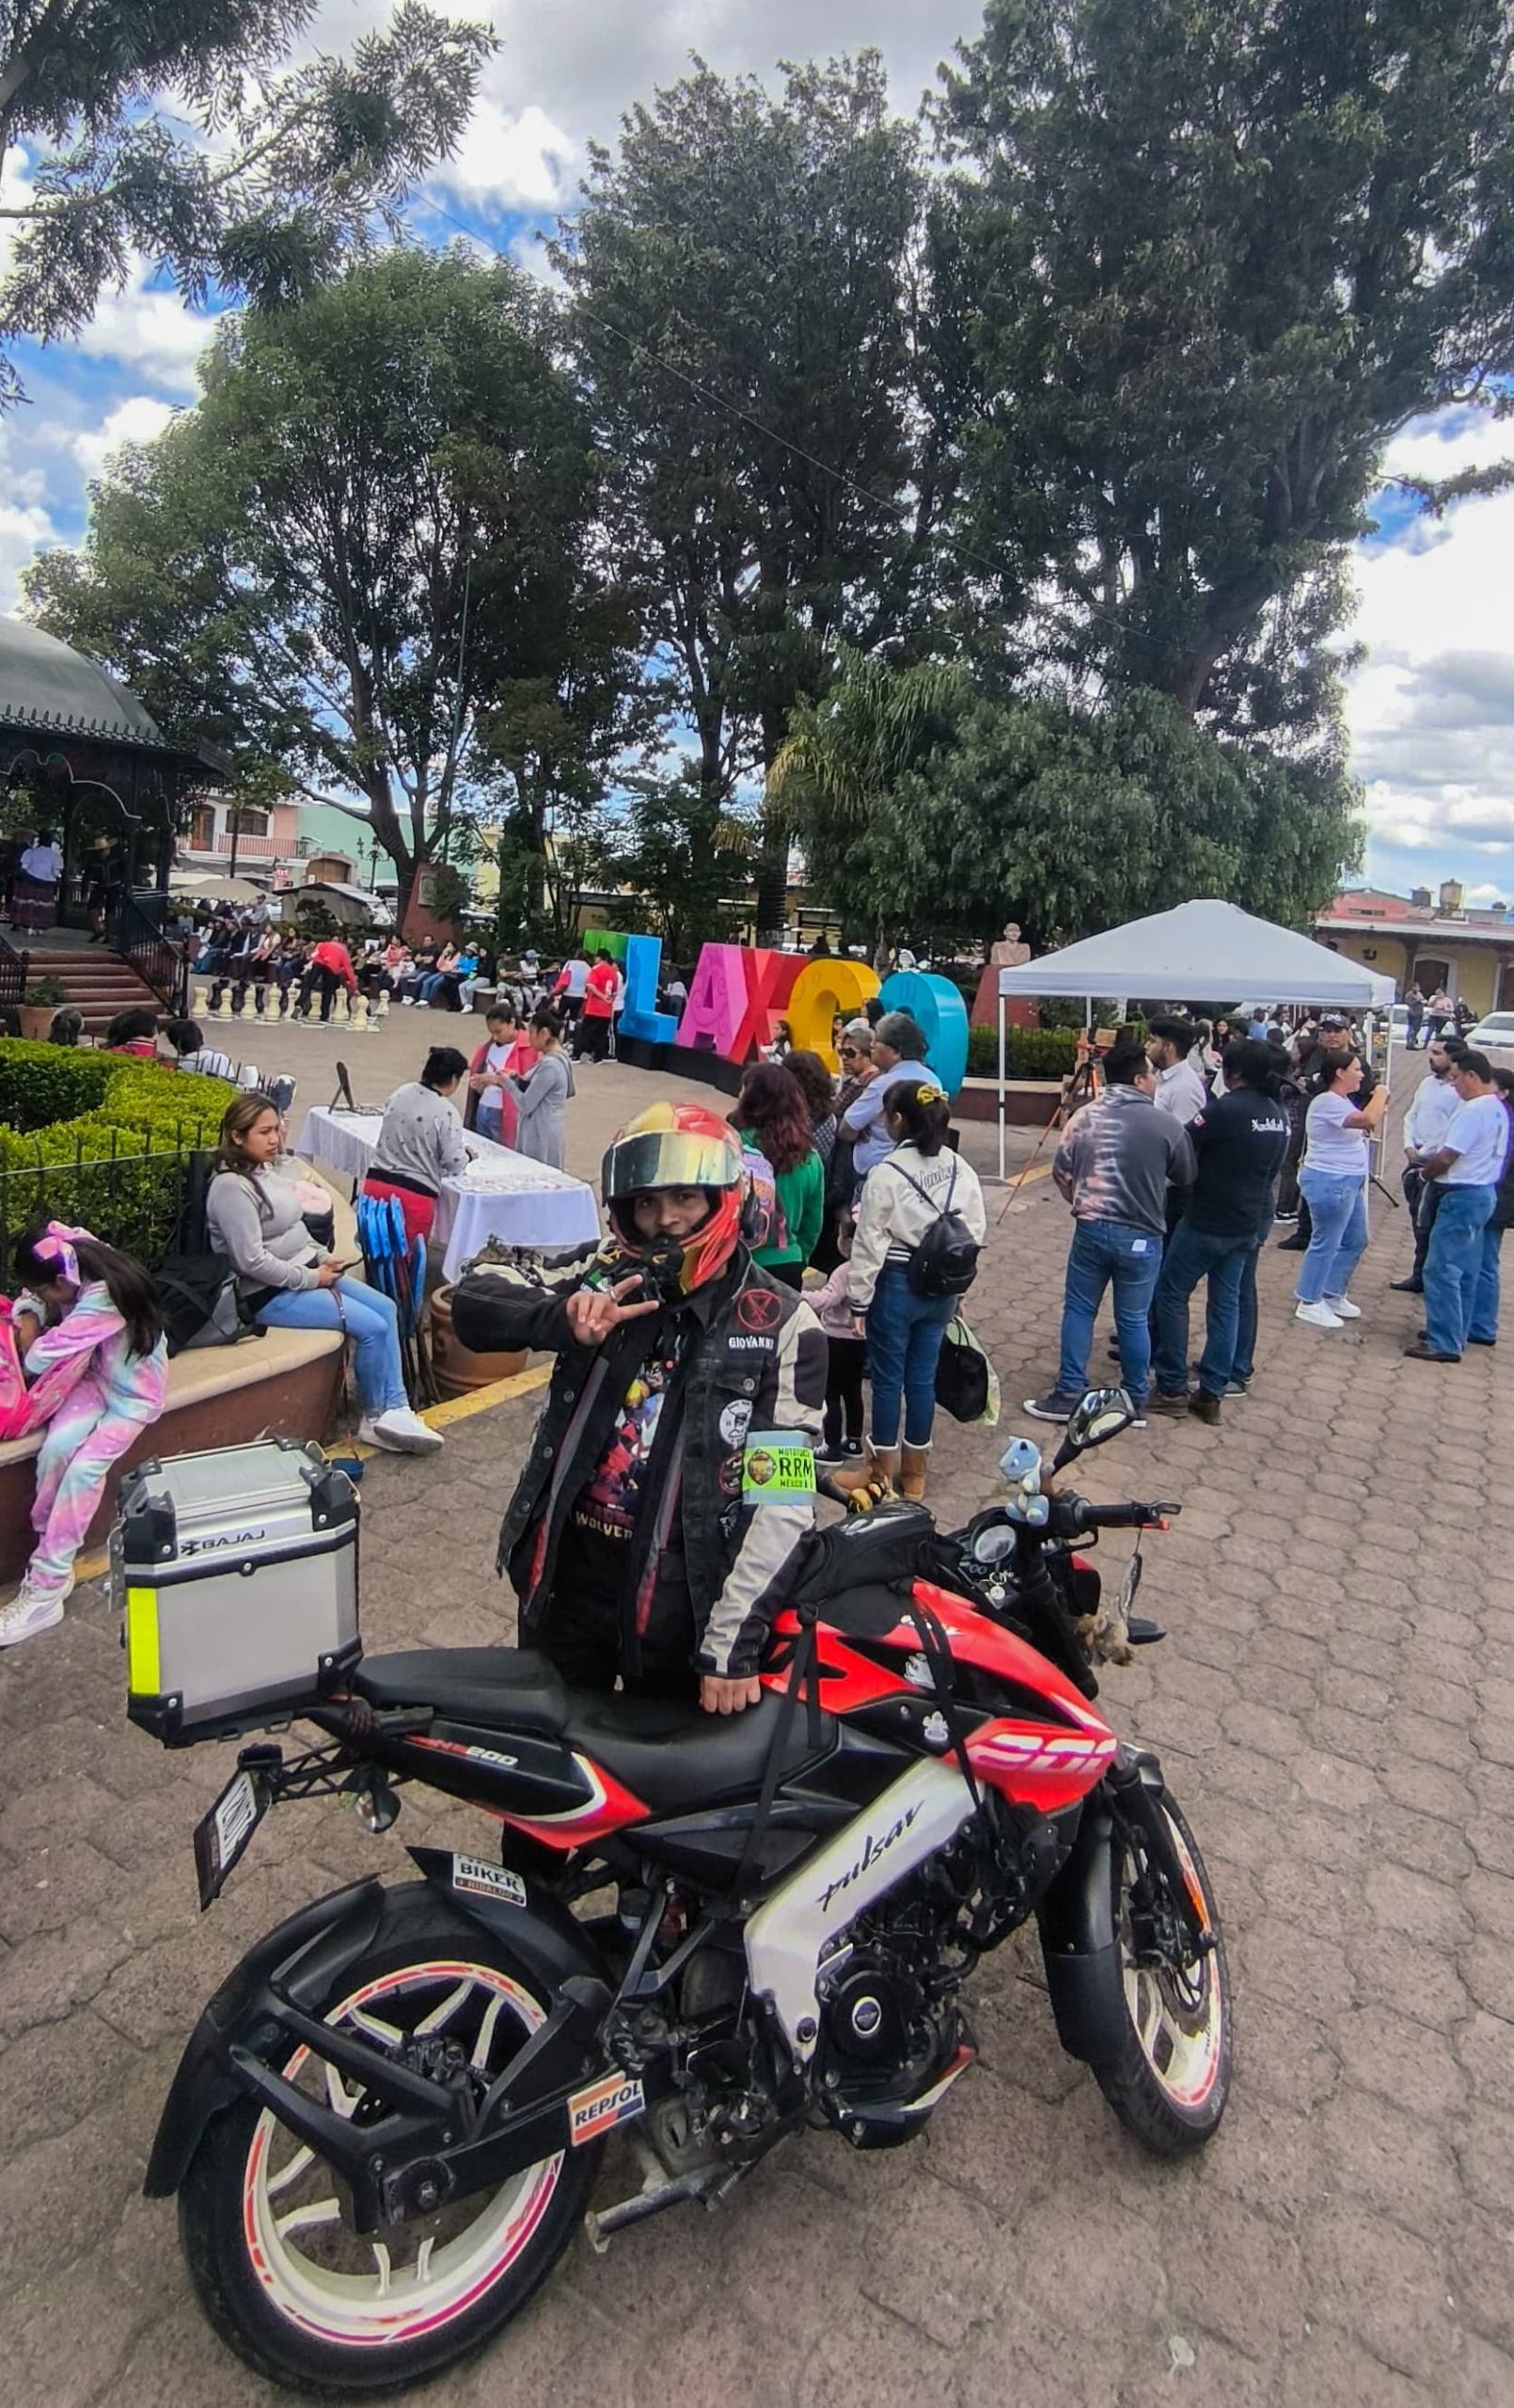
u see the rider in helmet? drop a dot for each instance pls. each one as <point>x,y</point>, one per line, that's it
<point>633,1541</point>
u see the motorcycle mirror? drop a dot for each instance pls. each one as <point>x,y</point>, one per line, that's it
<point>1103,1414</point>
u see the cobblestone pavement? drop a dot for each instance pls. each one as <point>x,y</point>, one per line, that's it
<point>1334,1706</point>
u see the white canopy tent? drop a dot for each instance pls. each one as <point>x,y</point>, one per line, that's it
<point>1201,952</point>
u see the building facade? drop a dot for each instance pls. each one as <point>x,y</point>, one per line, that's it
<point>1432,939</point>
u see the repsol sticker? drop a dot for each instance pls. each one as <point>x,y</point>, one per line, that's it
<point>593,2110</point>
<point>480,1880</point>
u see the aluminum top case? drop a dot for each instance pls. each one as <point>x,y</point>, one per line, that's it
<point>235,1573</point>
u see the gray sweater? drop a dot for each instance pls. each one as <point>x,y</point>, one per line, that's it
<point>271,1246</point>
<point>421,1138</point>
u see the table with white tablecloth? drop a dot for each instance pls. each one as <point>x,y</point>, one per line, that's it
<point>502,1195</point>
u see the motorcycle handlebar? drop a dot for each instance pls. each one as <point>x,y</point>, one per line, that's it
<point>1136,1515</point>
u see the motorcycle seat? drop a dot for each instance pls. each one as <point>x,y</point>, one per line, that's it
<point>510,1688</point>
<point>673,1756</point>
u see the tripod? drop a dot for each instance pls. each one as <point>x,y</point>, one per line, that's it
<point>1083,1086</point>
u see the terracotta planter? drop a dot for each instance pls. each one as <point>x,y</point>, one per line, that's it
<point>36,1019</point>
<point>459,1369</point>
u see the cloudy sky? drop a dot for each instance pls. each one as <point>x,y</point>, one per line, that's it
<point>1432,712</point>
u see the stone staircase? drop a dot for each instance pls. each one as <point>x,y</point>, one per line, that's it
<point>97,982</point>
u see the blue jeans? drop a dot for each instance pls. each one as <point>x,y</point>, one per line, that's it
<point>369,1321</point>
<point>1243,1363</point>
<point>1484,1323</point>
<point>904,1344</point>
<point>1102,1252</point>
<point>1337,1232</point>
<point>1193,1255</point>
<point>1453,1266</point>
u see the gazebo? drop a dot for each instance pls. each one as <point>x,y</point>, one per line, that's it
<point>94,757</point>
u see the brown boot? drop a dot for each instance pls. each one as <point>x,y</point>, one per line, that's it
<point>912,1478</point>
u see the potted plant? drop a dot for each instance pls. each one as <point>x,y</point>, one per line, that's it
<point>39,1004</point>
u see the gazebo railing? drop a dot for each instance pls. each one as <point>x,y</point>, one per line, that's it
<point>14,970</point>
<point>157,961</point>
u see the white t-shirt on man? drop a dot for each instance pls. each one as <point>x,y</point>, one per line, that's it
<point>1479,1136</point>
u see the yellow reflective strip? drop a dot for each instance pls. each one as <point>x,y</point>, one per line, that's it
<point>142,1674</point>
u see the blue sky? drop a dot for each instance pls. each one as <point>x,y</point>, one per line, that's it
<point>1432,711</point>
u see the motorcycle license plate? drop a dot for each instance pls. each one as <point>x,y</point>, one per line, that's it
<point>221,1836</point>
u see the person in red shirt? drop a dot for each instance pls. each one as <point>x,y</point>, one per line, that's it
<point>330,966</point>
<point>599,1009</point>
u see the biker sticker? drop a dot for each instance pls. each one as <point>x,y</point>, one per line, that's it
<point>736,1421</point>
<point>593,2110</point>
<point>758,1308</point>
<point>777,1469</point>
<point>480,1880</point>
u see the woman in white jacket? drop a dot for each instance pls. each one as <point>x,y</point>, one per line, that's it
<point>905,1193</point>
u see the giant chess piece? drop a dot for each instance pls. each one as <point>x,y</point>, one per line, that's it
<point>221,1001</point>
<point>341,1009</point>
<point>361,1021</point>
<point>381,1009</point>
<point>202,1003</point>
<point>273,1001</point>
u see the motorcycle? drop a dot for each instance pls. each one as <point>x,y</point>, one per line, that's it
<point>703,1932</point>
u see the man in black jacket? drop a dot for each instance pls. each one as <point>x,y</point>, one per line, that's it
<point>650,1530</point>
<point>1240,1143</point>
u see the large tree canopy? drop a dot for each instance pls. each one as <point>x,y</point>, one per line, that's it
<point>172,131</point>
<point>740,277</point>
<point>1216,256</point>
<point>363,561</point>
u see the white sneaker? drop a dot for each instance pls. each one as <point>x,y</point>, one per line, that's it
<point>1319,1316</point>
<point>30,1612</point>
<point>399,1430</point>
<point>1343,1307</point>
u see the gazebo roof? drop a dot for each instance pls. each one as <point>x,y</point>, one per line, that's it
<point>50,690</point>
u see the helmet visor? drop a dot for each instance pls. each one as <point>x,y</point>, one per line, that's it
<point>667,1158</point>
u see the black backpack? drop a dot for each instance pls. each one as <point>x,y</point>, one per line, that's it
<point>200,1304</point>
<point>945,1262</point>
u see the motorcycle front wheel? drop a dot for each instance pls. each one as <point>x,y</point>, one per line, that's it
<point>280,2273</point>
<point>1170,2077</point>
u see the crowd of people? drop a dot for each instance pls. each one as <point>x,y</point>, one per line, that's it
<point>1203,1139</point>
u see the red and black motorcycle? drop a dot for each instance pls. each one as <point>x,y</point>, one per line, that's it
<point>391,2117</point>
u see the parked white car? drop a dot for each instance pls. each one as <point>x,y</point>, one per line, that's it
<point>1495,1034</point>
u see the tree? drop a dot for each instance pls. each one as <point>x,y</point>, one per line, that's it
<point>169,130</point>
<point>740,277</point>
<point>376,527</point>
<point>1071,818</point>
<point>848,759</point>
<point>1216,258</point>
<point>682,859</point>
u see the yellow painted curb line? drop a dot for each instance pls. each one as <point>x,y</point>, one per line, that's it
<point>437,1417</point>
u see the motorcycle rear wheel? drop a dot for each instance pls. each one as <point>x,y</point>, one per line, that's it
<point>280,2274</point>
<point>1169,2079</point>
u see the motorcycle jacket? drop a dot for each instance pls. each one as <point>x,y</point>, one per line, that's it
<point>752,1358</point>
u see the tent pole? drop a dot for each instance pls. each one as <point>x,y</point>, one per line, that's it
<point>1003,1098</point>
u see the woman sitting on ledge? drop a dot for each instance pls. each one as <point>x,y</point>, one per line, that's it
<point>256,1220</point>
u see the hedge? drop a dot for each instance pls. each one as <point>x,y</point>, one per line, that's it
<point>42,1087</point>
<point>96,1165</point>
<point>1028,1052</point>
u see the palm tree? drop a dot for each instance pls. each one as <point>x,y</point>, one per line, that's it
<point>847,756</point>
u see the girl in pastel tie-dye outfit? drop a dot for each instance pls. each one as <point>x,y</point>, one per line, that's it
<point>98,1375</point>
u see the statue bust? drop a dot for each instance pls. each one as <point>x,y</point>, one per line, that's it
<point>1009,952</point>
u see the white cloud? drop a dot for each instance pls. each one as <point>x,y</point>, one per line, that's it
<point>134,420</point>
<point>1431,712</point>
<point>1434,449</point>
<point>152,333</point>
<point>27,524</point>
<point>521,161</point>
